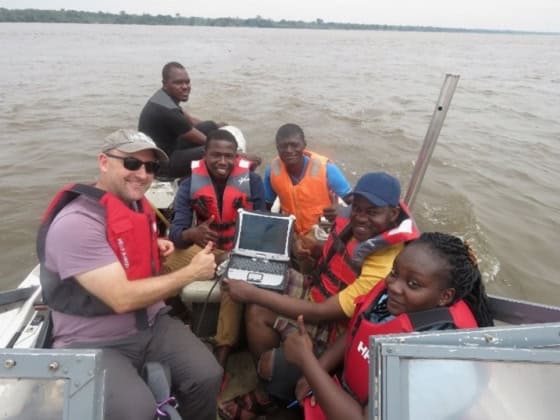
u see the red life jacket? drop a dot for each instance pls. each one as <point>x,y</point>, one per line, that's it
<point>237,194</point>
<point>315,412</point>
<point>132,236</point>
<point>335,270</point>
<point>342,257</point>
<point>356,359</point>
<point>405,231</point>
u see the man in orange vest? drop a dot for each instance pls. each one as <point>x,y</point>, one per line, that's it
<point>304,181</point>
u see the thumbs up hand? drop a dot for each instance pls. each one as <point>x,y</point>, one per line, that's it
<point>298,346</point>
<point>203,264</point>
<point>202,234</point>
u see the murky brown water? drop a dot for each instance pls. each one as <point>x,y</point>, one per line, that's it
<point>363,98</point>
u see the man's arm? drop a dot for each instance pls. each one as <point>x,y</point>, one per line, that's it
<point>183,217</point>
<point>191,118</point>
<point>181,126</point>
<point>194,136</point>
<point>269,193</point>
<point>291,307</point>
<point>257,191</point>
<point>110,284</point>
<point>338,183</point>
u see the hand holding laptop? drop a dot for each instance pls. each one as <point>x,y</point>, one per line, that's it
<point>307,247</point>
<point>300,249</point>
<point>239,290</point>
<point>330,212</point>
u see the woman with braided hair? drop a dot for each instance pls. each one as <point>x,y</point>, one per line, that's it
<point>435,283</point>
<point>464,274</point>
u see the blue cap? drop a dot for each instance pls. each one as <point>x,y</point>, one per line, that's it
<point>379,188</point>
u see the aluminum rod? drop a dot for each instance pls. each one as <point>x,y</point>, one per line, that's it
<point>438,117</point>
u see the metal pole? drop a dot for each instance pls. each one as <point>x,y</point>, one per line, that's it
<point>442,105</point>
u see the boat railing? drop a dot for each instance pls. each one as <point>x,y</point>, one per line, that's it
<point>51,384</point>
<point>513,311</point>
<point>502,372</point>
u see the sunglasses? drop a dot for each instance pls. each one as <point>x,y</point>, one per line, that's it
<point>133,164</point>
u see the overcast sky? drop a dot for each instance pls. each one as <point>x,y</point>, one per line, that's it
<point>525,15</point>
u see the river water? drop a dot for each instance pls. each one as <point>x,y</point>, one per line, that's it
<point>363,98</point>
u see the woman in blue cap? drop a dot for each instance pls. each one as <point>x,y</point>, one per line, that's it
<point>366,238</point>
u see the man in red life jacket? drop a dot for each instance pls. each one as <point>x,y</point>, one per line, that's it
<point>360,252</point>
<point>100,259</point>
<point>220,184</point>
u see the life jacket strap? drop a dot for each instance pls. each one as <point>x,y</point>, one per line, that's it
<point>222,226</point>
<point>141,319</point>
<point>430,318</point>
<point>158,379</point>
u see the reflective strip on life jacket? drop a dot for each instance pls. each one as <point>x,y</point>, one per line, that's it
<point>405,231</point>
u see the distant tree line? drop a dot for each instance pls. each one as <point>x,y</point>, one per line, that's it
<point>75,16</point>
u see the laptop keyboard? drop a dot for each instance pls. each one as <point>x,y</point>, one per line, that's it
<point>249,264</point>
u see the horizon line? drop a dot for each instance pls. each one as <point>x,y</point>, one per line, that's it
<point>291,24</point>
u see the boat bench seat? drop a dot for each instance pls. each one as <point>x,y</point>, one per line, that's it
<point>197,292</point>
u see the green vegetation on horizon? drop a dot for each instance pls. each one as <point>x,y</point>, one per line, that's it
<point>75,16</point>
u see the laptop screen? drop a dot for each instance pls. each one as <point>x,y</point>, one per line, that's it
<point>264,233</point>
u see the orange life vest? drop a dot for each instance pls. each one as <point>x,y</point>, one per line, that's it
<point>307,199</point>
<point>237,194</point>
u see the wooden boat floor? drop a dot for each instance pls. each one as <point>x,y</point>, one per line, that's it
<point>243,378</point>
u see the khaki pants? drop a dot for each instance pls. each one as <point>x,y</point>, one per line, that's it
<point>229,317</point>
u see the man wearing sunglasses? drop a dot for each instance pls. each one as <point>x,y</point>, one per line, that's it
<point>100,259</point>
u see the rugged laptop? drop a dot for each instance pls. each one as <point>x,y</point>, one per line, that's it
<point>261,252</point>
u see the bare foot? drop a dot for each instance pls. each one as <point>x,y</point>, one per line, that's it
<point>247,406</point>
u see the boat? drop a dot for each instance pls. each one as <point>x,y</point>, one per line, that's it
<point>40,382</point>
